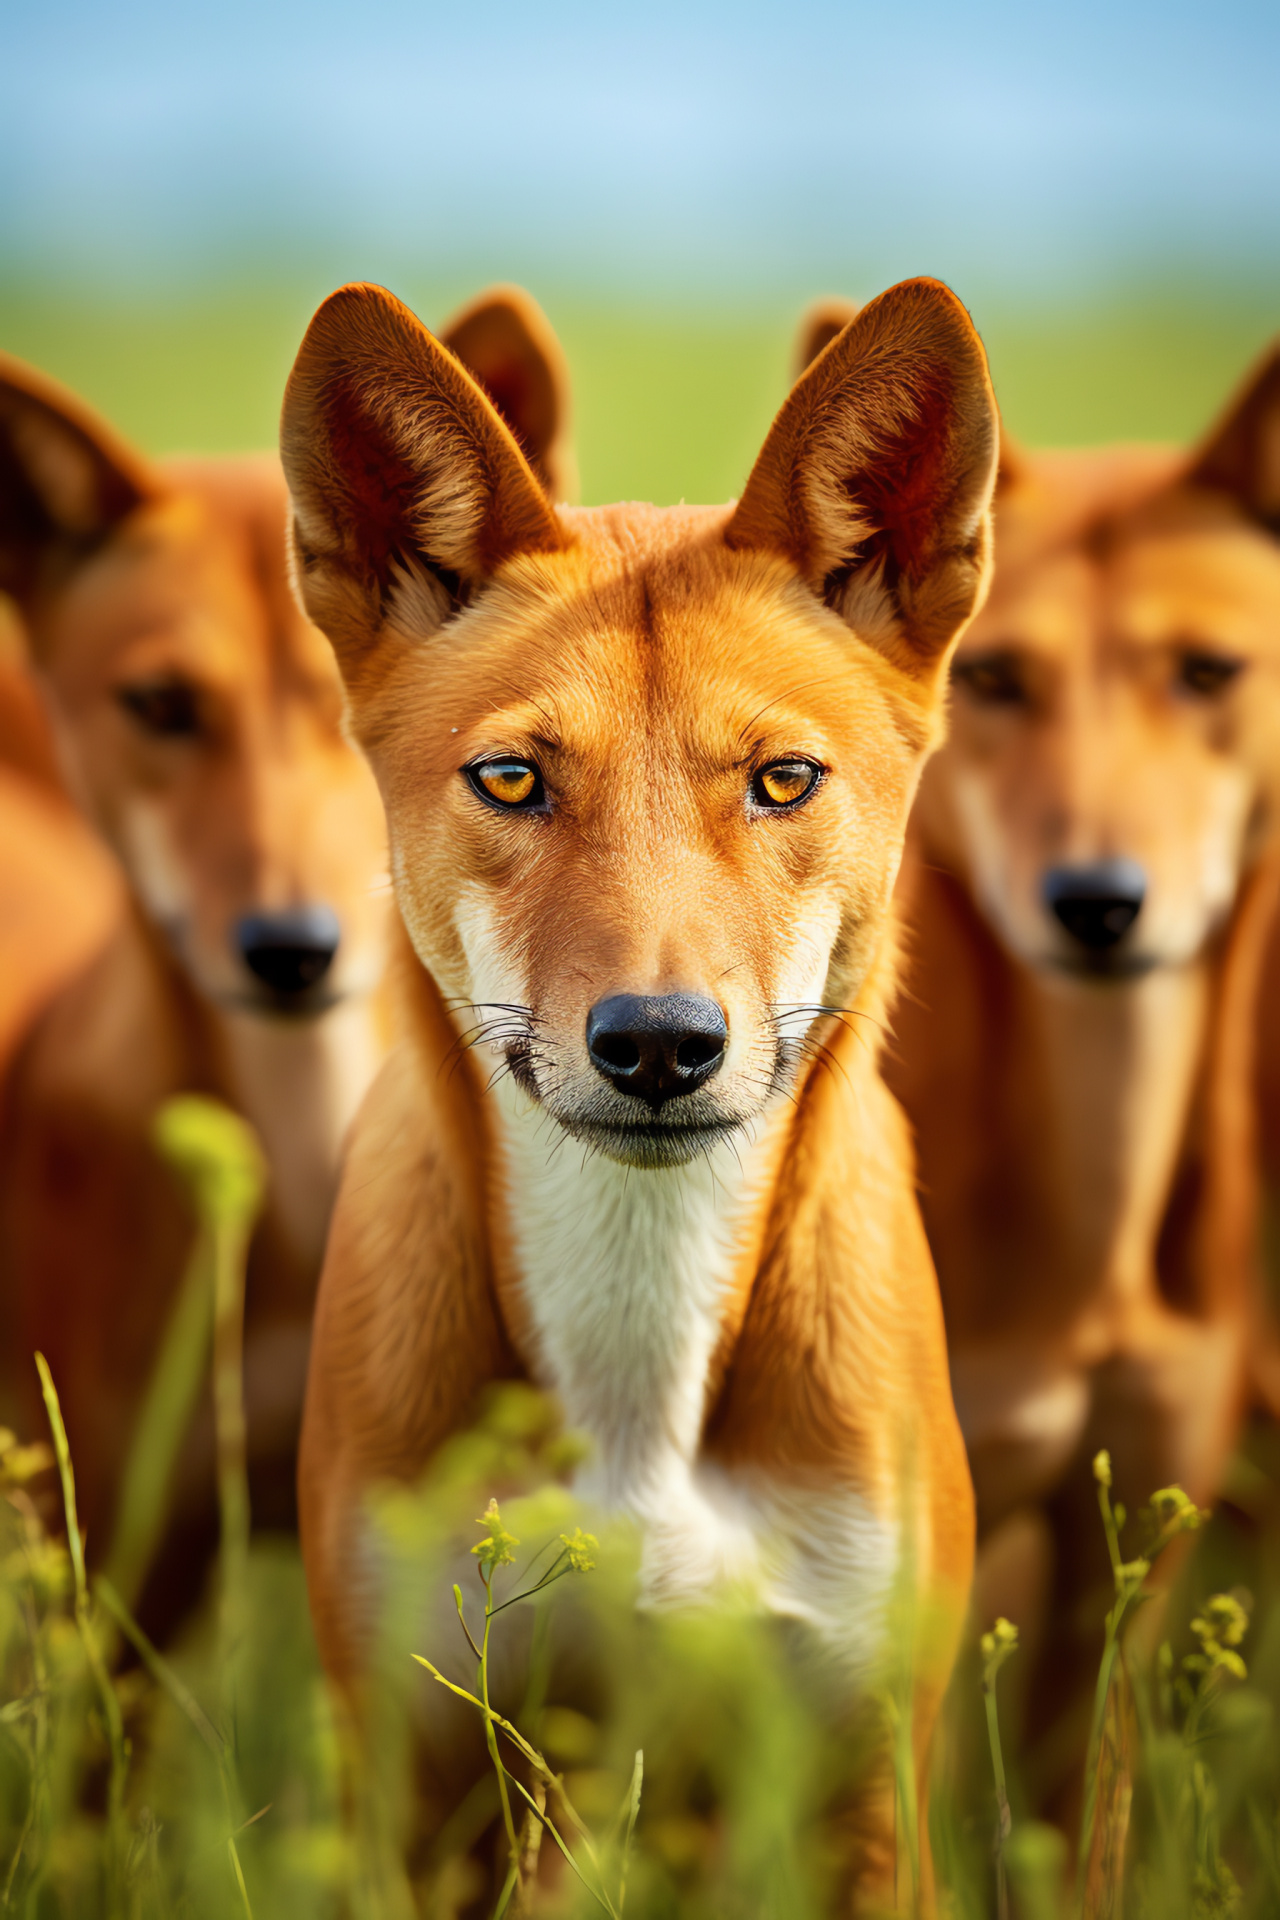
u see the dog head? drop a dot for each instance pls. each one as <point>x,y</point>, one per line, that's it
<point>198,714</point>
<point>1115,735</point>
<point>646,771</point>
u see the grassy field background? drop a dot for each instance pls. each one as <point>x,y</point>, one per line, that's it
<point>671,403</point>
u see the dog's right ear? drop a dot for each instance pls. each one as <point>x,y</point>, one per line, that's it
<point>819,325</point>
<point>409,491</point>
<point>65,480</point>
<point>876,478</point>
<point>505,339</point>
<point>1242,454</point>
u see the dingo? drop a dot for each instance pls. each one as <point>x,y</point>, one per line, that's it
<point>1087,903</point>
<point>647,774</point>
<point>199,718</point>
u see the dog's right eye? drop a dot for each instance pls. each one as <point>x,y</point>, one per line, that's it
<point>169,708</point>
<point>512,784</point>
<point>1202,672</point>
<point>995,679</point>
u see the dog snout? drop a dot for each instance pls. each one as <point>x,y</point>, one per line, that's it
<point>657,1047</point>
<point>291,951</point>
<point>1097,902</point>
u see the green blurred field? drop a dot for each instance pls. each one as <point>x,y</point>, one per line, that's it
<point>670,405</point>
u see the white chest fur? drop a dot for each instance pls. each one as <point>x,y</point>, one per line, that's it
<point>625,1274</point>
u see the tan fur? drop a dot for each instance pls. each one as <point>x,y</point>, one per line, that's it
<point>761,1345</point>
<point>1086,1138</point>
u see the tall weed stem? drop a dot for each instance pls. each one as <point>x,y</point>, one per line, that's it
<point>111,1717</point>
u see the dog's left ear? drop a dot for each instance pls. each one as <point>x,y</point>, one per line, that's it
<point>505,339</point>
<point>877,475</point>
<point>1242,454</point>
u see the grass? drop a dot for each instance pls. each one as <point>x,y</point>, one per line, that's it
<point>687,1768</point>
<point>670,405</point>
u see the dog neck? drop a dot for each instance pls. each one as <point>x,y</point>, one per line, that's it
<point>1119,1065</point>
<point>626,1277</point>
<point>298,1082</point>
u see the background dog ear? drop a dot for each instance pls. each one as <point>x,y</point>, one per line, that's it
<point>1242,454</point>
<point>877,475</point>
<point>65,479</point>
<point>819,325</point>
<point>408,488</point>
<point>505,339</point>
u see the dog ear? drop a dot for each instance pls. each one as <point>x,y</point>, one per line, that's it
<point>408,488</point>
<point>65,479</point>
<point>506,341</point>
<point>819,325</point>
<point>876,477</point>
<point>1242,454</point>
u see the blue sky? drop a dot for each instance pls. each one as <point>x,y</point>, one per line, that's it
<point>1025,149</point>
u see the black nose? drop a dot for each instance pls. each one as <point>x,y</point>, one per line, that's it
<point>1097,903</point>
<point>289,951</point>
<point>656,1048</point>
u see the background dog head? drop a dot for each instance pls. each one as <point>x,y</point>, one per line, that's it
<point>198,713</point>
<point>1115,737</point>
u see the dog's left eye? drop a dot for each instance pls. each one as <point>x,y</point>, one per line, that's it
<point>166,706</point>
<point>785,783</point>
<point>514,784</point>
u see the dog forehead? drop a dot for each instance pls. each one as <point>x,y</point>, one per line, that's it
<point>650,605</point>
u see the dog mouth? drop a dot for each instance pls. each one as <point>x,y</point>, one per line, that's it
<point>654,1143</point>
<point>266,1005</point>
<point>629,1130</point>
<point>1111,965</point>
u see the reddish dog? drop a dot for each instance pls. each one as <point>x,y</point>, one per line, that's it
<point>200,722</point>
<point>647,775</point>
<point>1088,894</point>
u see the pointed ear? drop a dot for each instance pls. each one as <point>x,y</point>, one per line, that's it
<point>819,325</point>
<point>65,479</point>
<point>408,489</point>
<point>877,475</point>
<point>1242,454</point>
<point>506,341</point>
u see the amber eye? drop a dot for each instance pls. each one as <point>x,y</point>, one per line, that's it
<point>1203,673</point>
<point>995,679</point>
<point>508,783</point>
<point>785,783</point>
<point>166,707</point>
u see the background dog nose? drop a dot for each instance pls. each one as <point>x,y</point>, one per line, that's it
<point>1096,903</point>
<point>656,1048</point>
<point>289,951</point>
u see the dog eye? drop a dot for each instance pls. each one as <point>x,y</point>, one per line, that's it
<point>992,678</point>
<point>785,783</point>
<point>168,708</point>
<point>508,783</point>
<point>1203,673</point>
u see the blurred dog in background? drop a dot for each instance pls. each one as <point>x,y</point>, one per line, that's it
<point>197,718</point>
<point>1089,889</point>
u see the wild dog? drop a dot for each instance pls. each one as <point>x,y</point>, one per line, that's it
<point>1089,883</point>
<point>647,774</point>
<point>199,721</point>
